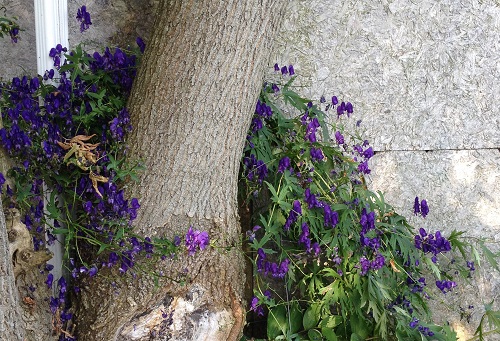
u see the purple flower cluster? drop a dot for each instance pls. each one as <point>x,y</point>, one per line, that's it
<point>84,18</point>
<point>262,113</point>
<point>311,128</point>
<point>284,69</point>
<point>196,240</point>
<point>414,323</point>
<point>339,138</point>
<point>14,34</point>
<point>421,207</point>
<point>416,285</point>
<point>59,306</point>
<point>120,66</point>
<point>285,164</point>
<point>344,108</point>
<point>255,170</point>
<point>293,215</point>
<point>311,199</point>
<point>432,243</point>
<point>445,286</point>
<point>367,222</point>
<point>257,306</point>
<point>111,206</point>
<point>274,269</point>
<point>365,154</point>
<point>317,154</point>
<point>331,218</point>
<point>120,125</point>
<point>56,54</point>
<point>367,265</point>
<point>304,239</point>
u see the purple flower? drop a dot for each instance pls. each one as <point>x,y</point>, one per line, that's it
<point>331,217</point>
<point>141,44</point>
<point>316,249</point>
<point>284,70</point>
<point>416,207</point>
<point>196,239</point>
<point>349,108</point>
<point>92,271</point>
<point>363,167</point>
<point>276,67</point>
<point>335,100</point>
<point>14,34</point>
<point>291,70</point>
<point>316,154</point>
<point>368,153</point>
<point>311,199</point>
<point>49,280</point>
<point>445,286</point>
<point>284,164</point>
<point>424,208</point>
<point>311,130</point>
<point>84,18</point>
<point>339,138</point>
<point>256,307</point>
<point>2,181</point>
<point>304,237</point>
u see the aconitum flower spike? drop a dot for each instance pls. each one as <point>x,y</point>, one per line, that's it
<point>84,18</point>
<point>424,208</point>
<point>416,207</point>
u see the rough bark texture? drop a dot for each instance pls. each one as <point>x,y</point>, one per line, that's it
<point>24,308</point>
<point>10,312</point>
<point>191,106</point>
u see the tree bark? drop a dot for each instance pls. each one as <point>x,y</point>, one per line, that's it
<point>11,327</point>
<point>191,106</point>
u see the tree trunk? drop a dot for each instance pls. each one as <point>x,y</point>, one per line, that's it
<point>24,313</point>
<point>191,107</point>
<point>11,327</point>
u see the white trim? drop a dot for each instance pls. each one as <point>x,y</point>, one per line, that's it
<point>51,27</point>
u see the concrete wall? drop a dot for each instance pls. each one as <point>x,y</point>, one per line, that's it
<point>424,78</point>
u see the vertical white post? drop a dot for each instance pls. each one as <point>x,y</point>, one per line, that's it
<point>51,24</point>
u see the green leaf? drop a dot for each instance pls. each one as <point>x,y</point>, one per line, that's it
<point>312,316</point>
<point>490,256</point>
<point>295,318</point>
<point>102,248</point>
<point>276,322</point>
<point>314,335</point>
<point>329,334</point>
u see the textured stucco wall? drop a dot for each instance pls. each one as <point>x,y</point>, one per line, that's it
<point>18,59</point>
<point>424,78</point>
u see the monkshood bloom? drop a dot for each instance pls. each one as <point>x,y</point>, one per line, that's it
<point>274,269</point>
<point>196,239</point>
<point>420,207</point>
<point>445,286</point>
<point>14,34</point>
<point>257,306</point>
<point>339,138</point>
<point>432,243</point>
<point>292,216</point>
<point>284,164</point>
<point>84,18</point>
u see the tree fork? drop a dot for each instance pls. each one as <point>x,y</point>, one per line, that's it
<point>190,106</point>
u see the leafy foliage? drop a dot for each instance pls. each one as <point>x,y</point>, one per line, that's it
<point>349,267</point>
